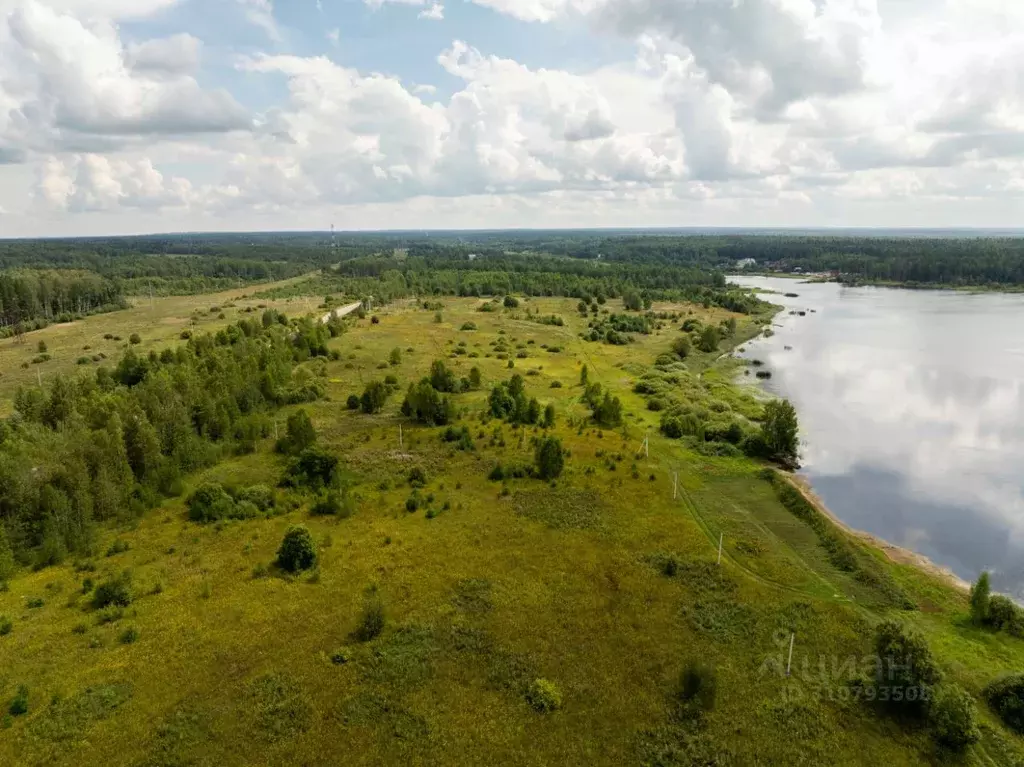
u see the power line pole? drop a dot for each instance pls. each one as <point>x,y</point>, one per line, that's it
<point>675,485</point>
<point>721,538</point>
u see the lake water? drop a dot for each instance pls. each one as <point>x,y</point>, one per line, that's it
<point>911,408</point>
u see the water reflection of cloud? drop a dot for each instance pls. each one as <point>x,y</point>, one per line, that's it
<point>917,386</point>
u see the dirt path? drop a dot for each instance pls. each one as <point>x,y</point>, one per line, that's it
<point>341,311</point>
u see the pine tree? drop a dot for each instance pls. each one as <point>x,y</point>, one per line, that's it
<point>980,593</point>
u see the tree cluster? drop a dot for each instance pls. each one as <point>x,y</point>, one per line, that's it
<point>110,445</point>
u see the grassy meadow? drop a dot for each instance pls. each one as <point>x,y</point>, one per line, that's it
<point>103,338</point>
<point>601,583</point>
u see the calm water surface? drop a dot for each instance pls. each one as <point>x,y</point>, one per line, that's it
<point>911,409</point>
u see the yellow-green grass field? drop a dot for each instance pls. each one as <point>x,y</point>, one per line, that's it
<point>158,322</point>
<point>499,585</point>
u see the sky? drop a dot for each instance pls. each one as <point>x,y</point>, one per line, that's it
<point>135,116</point>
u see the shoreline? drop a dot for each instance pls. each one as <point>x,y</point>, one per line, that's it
<point>893,553</point>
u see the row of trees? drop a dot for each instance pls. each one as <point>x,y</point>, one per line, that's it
<point>110,445</point>
<point>31,299</point>
<point>389,277</point>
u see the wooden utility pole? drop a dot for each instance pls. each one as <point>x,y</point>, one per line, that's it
<point>401,440</point>
<point>675,485</point>
<point>789,663</point>
<point>721,538</point>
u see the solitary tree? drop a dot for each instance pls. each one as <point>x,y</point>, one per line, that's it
<point>681,346</point>
<point>297,552</point>
<point>395,358</point>
<point>550,458</point>
<point>474,378</point>
<point>980,594</point>
<point>780,429</point>
<point>584,376</point>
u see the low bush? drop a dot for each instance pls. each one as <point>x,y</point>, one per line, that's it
<point>371,619</point>
<point>210,503</point>
<point>696,690</point>
<point>114,593</point>
<point>19,703</point>
<point>906,669</point>
<point>543,696</point>
<point>952,717</point>
<point>1005,696</point>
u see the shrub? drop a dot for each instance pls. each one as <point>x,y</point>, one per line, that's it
<point>1006,697</point>
<point>952,717</point>
<point>1004,615</point>
<point>468,326</point>
<point>412,503</point>
<point>905,665</point>
<point>372,619</point>
<point>135,339</point>
<point>696,689</point>
<point>210,503</point>
<point>117,547</point>
<point>708,340</point>
<point>260,496</point>
<point>544,696</point>
<point>417,477</point>
<point>6,625</point>
<point>353,402</point>
<point>129,636</point>
<point>19,703</point>
<point>681,346</point>
<point>116,592</point>
<point>297,552</point>
<point>314,468</point>
<point>333,504</point>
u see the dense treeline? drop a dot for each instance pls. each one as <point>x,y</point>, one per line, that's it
<point>110,445</point>
<point>924,260</point>
<point>32,299</point>
<point>388,277</point>
<point>586,260</point>
<point>967,262</point>
<point>177,264</point>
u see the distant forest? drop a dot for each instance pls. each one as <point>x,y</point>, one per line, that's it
<point>47,279</point>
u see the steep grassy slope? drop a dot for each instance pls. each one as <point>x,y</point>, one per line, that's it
<point>487,588</point>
